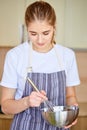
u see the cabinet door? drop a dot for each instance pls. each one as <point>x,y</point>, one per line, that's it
<point>76,24</point>
<point>5,124</point>
<point>81,124</point>
<point>11,18</point>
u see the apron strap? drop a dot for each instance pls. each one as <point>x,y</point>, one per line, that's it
<point>29,69</point>
<point>58,58</point>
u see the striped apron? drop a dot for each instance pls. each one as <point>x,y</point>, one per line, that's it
<point>55,86</point>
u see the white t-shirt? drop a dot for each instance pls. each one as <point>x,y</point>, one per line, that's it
<point>17,62</point>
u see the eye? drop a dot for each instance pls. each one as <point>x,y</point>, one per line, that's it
<point>46,33</point>
<point>33,34</point>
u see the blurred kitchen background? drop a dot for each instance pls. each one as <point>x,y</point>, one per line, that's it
<point>71,32</point>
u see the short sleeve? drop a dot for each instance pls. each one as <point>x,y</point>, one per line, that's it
<point>9,77</point>
<point>72,76</point>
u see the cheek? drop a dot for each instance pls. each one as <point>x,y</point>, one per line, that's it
<point>50,37</point>
<point>32,38</point>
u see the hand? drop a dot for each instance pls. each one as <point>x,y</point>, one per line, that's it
<point>73,123</point>
<point>36,98</point>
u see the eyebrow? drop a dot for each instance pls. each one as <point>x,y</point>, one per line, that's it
<point>42,32</point>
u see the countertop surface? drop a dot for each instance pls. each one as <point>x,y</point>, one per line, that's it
<point>3,116</point>
<point>82,112</point>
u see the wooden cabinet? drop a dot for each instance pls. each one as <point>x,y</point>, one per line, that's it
<point>82,120</point>
<point>81,124</point>
<point>5,122</point>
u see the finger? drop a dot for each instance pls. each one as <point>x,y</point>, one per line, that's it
<point>76,104</point>
<point>43,92</point>
<point>35,101</point>
<point>67,126</point>
<point>42,96</point>
<point>71,124</point>
<point>74,122</point>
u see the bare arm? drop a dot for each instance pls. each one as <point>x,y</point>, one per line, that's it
<point>71,96</point>
<point>9,104</point>
<point>71,100</point>
<point>12,106</point>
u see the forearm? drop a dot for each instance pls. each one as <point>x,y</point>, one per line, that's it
<point>11,106</point>
<point>72,100</point>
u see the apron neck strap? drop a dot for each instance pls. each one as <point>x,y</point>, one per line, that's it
<point>29,69</point>
<point>60,62</point>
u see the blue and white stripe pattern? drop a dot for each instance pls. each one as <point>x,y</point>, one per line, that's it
<point>54,84</point>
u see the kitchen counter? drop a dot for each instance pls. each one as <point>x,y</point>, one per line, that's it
<point>82,112</point>
<point>3,116</point>
<point>6,120</point>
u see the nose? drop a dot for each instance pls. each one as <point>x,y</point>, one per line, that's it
<point>40,38</point>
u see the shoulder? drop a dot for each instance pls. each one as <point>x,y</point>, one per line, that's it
<point>67,55</point>
<point>65,52</point>
<point>64,49</point>
<point>17,54</point>
<point>18,50</point>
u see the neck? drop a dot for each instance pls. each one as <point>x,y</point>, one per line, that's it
<point>43,50</point>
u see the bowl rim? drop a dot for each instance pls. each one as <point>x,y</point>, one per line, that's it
<point>60,108</point>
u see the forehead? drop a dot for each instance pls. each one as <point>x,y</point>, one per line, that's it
<point>38,25</point>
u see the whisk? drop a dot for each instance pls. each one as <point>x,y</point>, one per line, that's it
<point>47,102</point>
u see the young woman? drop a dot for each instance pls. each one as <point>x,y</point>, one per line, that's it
<point>50,66</point>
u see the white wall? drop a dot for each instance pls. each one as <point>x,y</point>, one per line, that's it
<point>76,23</point>
<point>71,21</point>
<point>10,20</point>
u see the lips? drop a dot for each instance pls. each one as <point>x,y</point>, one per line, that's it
<point>40,44</point>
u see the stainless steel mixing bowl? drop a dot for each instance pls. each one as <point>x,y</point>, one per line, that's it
<point>61,116</point>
